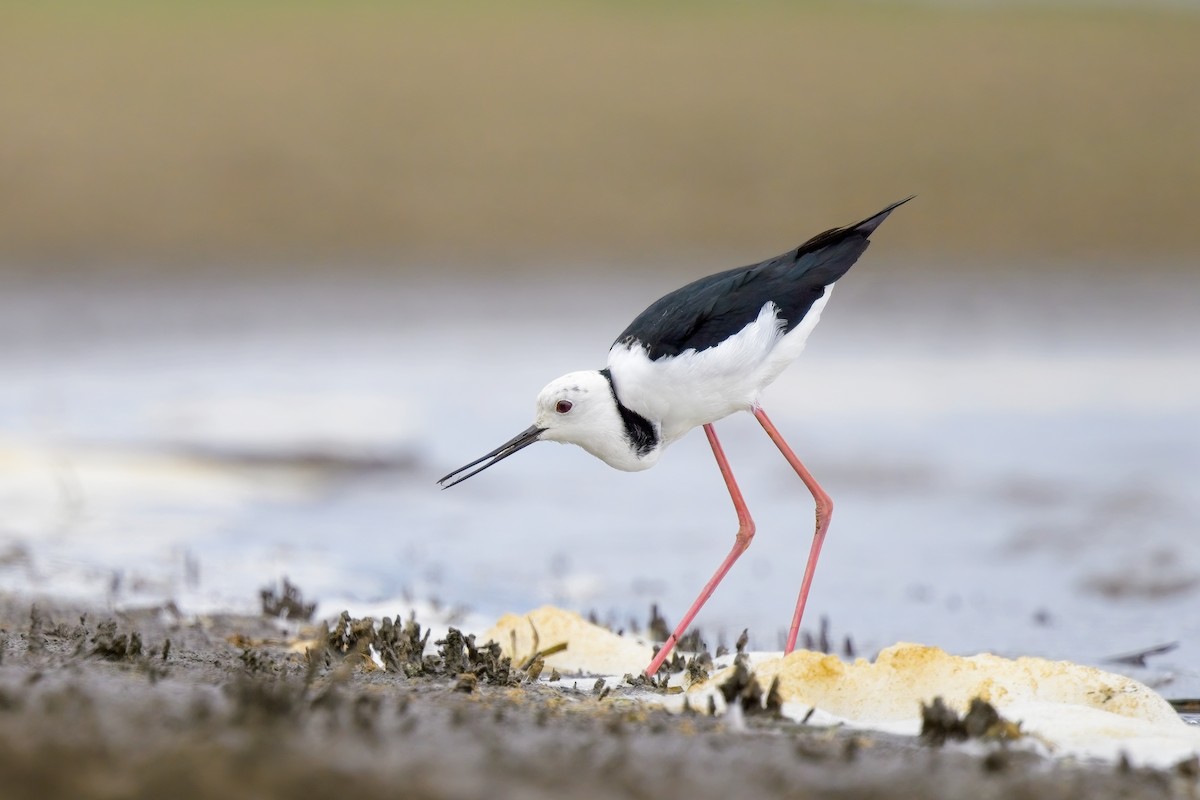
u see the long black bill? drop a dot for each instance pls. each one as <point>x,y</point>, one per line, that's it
<point>518,442</point>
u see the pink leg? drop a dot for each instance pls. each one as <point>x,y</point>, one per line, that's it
<point>744,535</point>
<point>824,513</point>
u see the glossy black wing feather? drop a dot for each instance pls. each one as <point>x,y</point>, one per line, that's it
<point>709,310</point>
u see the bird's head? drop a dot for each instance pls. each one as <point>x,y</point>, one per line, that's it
<point>578,408</point>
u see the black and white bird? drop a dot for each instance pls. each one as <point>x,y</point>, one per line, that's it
<point>695,356</point>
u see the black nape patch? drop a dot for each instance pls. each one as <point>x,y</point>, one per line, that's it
<point>638,430</point>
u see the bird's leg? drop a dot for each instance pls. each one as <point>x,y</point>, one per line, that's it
<point>744,535</point>
<point>824,513</point>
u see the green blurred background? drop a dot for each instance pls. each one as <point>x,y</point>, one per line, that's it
<point>162,137</point>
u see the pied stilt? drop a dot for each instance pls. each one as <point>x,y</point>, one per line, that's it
<point>695,356</point>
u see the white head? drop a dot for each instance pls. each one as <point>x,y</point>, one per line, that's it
<point>578,408</point>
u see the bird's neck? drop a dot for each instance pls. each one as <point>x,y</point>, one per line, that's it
<point>641,439</point>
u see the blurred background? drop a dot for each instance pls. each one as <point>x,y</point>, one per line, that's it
<point>268,269</point>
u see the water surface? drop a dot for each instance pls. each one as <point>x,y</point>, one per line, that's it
<point>1012,460</point>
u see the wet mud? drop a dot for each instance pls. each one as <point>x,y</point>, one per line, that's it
<point>152,703</point>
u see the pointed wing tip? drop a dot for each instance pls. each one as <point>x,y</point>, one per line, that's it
<point>869,224</point>
<point>892,207</point>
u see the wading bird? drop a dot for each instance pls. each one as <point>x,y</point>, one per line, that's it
<point>695,356</point>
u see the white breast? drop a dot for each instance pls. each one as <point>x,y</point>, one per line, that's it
<point>694,388</point>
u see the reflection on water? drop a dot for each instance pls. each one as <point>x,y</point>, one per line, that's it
<point>1012,469</point>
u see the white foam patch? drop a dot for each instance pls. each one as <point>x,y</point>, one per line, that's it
<point>1073,710</point>
<point>590,650</point>
<point>1064,709</point>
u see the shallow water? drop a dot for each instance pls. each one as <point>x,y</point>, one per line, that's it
<point>1012,460</point>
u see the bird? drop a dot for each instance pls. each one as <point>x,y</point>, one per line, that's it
<point>695,356</point>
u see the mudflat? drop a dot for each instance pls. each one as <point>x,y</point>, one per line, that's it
<point>151,703</point>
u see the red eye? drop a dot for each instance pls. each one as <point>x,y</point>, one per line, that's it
<point>563,406</point>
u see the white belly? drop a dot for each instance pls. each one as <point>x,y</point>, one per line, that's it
<point>694,388</point>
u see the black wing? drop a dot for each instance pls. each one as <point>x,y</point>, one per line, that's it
<point>707,311</point>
